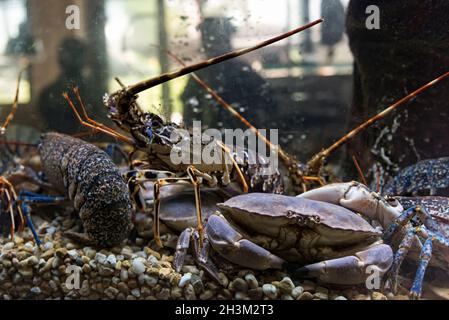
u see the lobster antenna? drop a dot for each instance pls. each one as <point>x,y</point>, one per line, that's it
<point>14,106</point>
<point>146,84</point>
<point>317,160</point>
<point>117,79</point>
<point>359,169</point>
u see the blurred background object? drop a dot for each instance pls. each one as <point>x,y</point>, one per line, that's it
<point>234,80</point>
<point>332,32</point>
<point>51,105</point>
<point>292,86</point>
<point>23,44</point>
<point>409,50</point>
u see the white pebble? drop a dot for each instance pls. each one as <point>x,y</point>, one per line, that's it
<point>153,261</point>
<point>111,260</point>
<point>124,275</point>
<point>48,245</point>
<point>42,262</point>
<point>92,264</point>
<point>100,258</point>
<point>138,267</point>
<point>115,280</point>
<point>297,291</point>
<point>184,280</point>
<point>252,281</point>
<point>73,254</point>
<point>28,246</point>
<point>141,254</point>
<point>135,292</point>
<point>270,290</point>
<point>141,279</point>
<point>8,246</point>
<point>36,290</point>
<point>286,285</point>
<point>151,281</point>
<point>51,230</point>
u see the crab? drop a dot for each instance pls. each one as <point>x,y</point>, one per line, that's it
<point>417,228</point>
<point>310,238</point>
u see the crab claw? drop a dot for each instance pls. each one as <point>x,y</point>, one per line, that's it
<point>362,267</point>
<point>357,197</point>
<point>230,244</point>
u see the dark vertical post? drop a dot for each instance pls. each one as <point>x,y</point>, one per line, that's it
<point>288,46</point>
<point>97,56</point>
<point>163,59</point>
<point>306,45</point>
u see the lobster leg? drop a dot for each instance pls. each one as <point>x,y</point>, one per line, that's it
<point>426,251</point>
<point>136,177</point>
<point>432,239</point>
<point>11,202</point>
<point>399,257</point>
<point>194,175</point>
<point>26,197</point>
<point>14,106</point>
<point>194,178</point>
<point>93,124</point>
<point>402,221</point>
<point>424,258</point>
<point>157,204</point>
<point>11,213</point>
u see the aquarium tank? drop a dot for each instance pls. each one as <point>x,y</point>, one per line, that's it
<point>224,150</point>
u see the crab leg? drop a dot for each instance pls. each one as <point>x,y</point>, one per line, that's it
<point>201,253</point>
<point>350,270</point>
<point>182,246</point>
<point>202,256</point>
